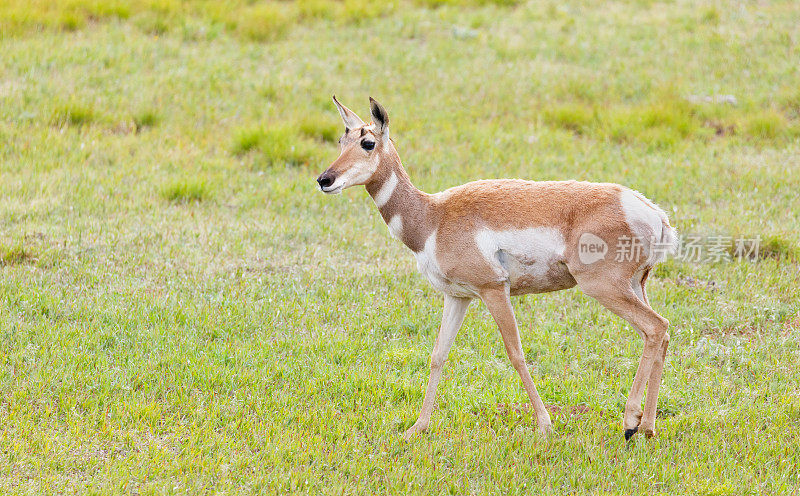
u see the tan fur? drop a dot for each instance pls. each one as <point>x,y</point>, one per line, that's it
<point>503,204</point>
<point>456,219</point>
<point>419,211</point>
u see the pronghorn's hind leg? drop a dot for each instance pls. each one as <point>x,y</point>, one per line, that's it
<point>498,301</point>
<point>648,424</point>
<point>637,284</point>
<point>452,318</point>
<point>620,297</point>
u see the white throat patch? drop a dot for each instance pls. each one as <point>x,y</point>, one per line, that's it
<point>396,226</point>
<point>385,193</point>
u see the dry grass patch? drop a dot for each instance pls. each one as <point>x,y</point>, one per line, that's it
<point>30,250</point>
<point>16,254</point>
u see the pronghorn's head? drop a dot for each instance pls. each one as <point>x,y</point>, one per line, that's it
<point>362,149</point>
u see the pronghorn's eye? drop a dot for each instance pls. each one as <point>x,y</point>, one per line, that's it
<point>368,145</point>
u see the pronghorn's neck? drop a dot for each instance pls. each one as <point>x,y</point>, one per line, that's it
<point>406,210</point>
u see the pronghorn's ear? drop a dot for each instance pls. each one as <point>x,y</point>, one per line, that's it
<point>351,120</point>
<point>380,117</point>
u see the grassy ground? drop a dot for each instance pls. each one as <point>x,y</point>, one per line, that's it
<point>182,312</point>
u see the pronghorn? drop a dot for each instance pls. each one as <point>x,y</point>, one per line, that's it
<point>493,239</point>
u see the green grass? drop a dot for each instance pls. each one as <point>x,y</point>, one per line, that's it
<point>257,21</point>
<point>571,116</point>
<point>320,128</point>
<point>768,124</point>
<point>14,255</point>
<point>73,114</point>
<point>285,145</point>
<point>145,118</point>
<point>182,312</point>
<point>186,191</point>
<point>780,248</point>
<point>669,119</point>
<point>264,22</point>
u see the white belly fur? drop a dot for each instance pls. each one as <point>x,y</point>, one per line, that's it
<point>526,258</point>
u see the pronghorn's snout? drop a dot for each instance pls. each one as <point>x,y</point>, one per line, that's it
<point>326,180</point>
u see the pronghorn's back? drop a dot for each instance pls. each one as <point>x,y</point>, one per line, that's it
<point>534,234</point>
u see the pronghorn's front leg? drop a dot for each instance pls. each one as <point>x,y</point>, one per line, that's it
<point>498,301</point>
<point>452,318</point>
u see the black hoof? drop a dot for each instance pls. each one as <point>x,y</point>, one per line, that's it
<point>630,432</point>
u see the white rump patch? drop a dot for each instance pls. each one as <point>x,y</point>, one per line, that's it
<point>650,224</point>
<point>396,226</point>
<point>385,193</point>
<point>641,215</point>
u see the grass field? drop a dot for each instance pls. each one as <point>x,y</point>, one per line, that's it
<point>183,312</point>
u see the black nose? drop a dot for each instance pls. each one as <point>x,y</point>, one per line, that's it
<point>325,179</point>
